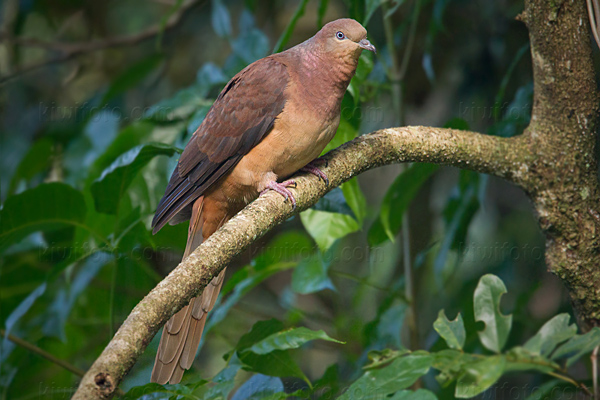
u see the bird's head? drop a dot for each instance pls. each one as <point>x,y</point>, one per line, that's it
<point>344,38</point>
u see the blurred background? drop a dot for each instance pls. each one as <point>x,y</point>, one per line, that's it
<point>98,97</point>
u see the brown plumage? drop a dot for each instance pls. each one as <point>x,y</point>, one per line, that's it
<point>272,119</point>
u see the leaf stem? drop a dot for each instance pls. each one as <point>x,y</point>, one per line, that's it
<point>366,283</point>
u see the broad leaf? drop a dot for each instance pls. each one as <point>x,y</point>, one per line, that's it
<point>37,160</point>
<point>112,184</point>
<point>486,303</point>
<point>578,345</point>
<point>450,363</point>
<point>220,19</point>
<point>276,363</point>
<point>310,275</point>
<point>16,315</point>
<point>554,332</point>
<point>46,207</point>
<point>325,227</point>
<point>453,332</point>
<point>258,387</point>
<point>145,391</point>
<point>334,202</point>
<point>289,339</point>
<point>400,374</point>
<point>355,199</point>
<point>420,394</point>
<point>478,376</point>
<point>345,133</point>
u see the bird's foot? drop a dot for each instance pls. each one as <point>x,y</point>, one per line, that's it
<point>282,189</point>
<point>312,167</point>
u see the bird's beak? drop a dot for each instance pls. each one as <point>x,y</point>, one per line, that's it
<point>365,44</point>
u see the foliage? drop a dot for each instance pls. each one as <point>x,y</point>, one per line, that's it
<point>317,309</point>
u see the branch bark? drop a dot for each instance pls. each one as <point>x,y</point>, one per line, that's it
<point>506,158</point>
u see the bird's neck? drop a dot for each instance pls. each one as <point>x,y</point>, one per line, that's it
<point>330,71</point>
<point>324,76</point>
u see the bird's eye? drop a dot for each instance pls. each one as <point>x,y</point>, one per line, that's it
<point>340,35</point>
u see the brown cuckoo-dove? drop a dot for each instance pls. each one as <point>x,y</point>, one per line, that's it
<point>271,120</point>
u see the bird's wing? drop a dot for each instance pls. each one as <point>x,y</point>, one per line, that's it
<point>239,119</point>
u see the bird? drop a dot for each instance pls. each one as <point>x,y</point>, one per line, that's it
<point>271,120</point>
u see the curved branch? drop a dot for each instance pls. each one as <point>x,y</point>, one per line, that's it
<point>506,158</point>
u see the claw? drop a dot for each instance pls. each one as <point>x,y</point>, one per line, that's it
<point>312,168</point>
<point>282,189</point>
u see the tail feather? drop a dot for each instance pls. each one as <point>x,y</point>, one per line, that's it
<point>182,333</point>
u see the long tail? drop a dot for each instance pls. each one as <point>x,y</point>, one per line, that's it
<point>181,334</point>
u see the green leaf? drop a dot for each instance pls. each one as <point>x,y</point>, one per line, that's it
<point>310,275</point>
<point>289,339</point>
<point>397,199</point>
<point>251,45</point>
<point>130,136</point>
<point>325,227</point>
<point>144,391</point>
<point>112,184</point>
<point>260,331</point>
<point>17,314</point>
<point>578,346</point>
<point>46,207</point>
<point>36,160</point>
<point>355,199</point>
<point>450,364</point>
<point>486,303</point>
<point>334,202</point>
<point>345,133</point>
<point>258,387</point>
<point>420,394</point>
<point>220,19</point>
<point>453,332</point>
<point>554,332</point>
<point>277,362</point>
<point>478,376</point>
<point>400,374</point>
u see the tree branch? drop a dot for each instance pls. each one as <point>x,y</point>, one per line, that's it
<point>506,158</point>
